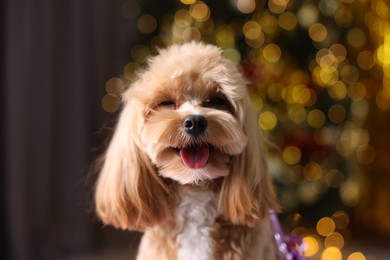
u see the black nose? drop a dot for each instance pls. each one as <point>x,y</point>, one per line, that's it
<point>195,125</point>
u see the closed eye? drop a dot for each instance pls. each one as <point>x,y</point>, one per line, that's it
<point>167,104</point>
<point>215,102</point>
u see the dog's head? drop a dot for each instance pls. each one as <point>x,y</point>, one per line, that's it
<point>187,119</point>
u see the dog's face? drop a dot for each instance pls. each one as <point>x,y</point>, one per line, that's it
<point>189,124</point>
<point>188,118</point>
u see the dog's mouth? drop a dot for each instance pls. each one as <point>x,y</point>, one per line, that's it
<point>194,157</point>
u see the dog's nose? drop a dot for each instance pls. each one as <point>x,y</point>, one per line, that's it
<point>195,125</point>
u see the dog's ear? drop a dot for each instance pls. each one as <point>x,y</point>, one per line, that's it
<point>129,193</point>
<point>247,192</point>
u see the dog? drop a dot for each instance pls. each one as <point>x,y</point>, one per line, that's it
<point>186,164</point>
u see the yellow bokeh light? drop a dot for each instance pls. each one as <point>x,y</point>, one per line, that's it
<point>325,226</point>
<point>316,118</point>
<point>350,194</point>
<point>188,2</point>
<point>338,90</point>
<point>318,32</point>
<point>331,253</point>
<point>311,246</point>
<point>110,103</point>
<point>269,23</point>
<point>341,219</point>
<point>356,37</point>
<point>140,53</point>
<point>297,114</point>
<point>225,37</point>
<point>251,30</point>
<point>130,70</point>
<point>291,155</point>
<point>267,120</point>
<point>277,6</point>
<point>182,18</point>
<point>365,60</point>
<point>272,53</point>
<point>233,55</point>
<point>334,240</point>
<point>147,24</point>
<point>312,171</point>
<point>246,6</point>
<point>115,86</point>
<point>343,16</point>
<point>308,15</point>
<point>200,11</point>
<point>356,256</point>
<point>191,33</point>
<point>339,51</point>
<point>288,21</point>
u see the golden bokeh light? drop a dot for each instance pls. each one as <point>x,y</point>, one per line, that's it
<point>291,155</point>
<point>288,21</point>
<point>191,33</point>
<point>318,32</point>
<point>246,6</point>
<point>341,219</point>
<point>251,30</point>
<point>350,193</point>
<point>200,11</point>
<point>365,60</point>
<point>356,37</point>
<point>130,70</point>
<point>316,118</point>
<point>182,18</point>
<point>338,90</point>
<point>331,253</point>
<point>335,240</point>
<point>115,86</point>
<point>272,53</point>
<point>311,246</point>
<point>110,103</point>
<point>147,24</point>
<point>325,226</point>
<point>312,171</point>
<point>188,2</point>
<point>267,120</point>
<point>356,256</point>
<point>308,14</point>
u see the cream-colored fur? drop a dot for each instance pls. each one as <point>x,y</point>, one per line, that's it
<point>217,210</point>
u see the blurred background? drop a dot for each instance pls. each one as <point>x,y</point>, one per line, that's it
<point>319,73</point>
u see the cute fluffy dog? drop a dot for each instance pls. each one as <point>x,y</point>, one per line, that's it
<point>185,164</point>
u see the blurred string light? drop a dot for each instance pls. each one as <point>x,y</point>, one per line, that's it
<point>315,111</point>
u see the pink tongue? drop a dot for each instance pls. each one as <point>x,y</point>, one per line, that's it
<point>194,157</point>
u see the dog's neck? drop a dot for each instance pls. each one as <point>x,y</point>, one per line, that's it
<point>195,216</point>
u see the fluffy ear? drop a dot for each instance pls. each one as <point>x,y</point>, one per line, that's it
<point>129,193</point>
<point>247,192</point>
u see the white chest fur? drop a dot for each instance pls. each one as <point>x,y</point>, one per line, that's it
<point>195,215</point>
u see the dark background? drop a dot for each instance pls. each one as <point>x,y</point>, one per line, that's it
<point>56,58</point>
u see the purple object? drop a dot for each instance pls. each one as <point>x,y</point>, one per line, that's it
<point>290,246</point>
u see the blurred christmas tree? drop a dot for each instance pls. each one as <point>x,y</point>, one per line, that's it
<point>319,73</point>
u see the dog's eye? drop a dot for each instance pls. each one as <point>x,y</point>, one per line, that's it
<point>216,101</point>
<point>167,104</point>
